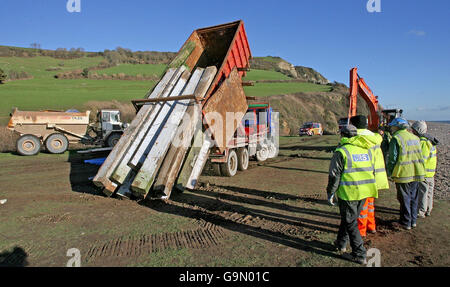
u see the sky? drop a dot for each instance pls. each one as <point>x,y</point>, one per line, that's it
<point>402,52</point>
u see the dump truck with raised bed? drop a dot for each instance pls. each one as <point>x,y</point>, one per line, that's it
<point>201,87</point>
<point>56,129</point>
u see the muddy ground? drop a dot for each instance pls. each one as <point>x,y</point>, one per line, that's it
<point>274,214</point>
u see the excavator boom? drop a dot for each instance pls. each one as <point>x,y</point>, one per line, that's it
<point>359,86</point>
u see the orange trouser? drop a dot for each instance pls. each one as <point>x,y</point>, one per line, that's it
<point>366,219</point>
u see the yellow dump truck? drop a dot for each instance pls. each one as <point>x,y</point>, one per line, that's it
<point>56,129</point>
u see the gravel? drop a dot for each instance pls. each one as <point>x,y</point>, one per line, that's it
<point>442,132</point>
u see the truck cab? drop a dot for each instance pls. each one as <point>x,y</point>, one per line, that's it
<point>110,126</point>
<point>389,115</point>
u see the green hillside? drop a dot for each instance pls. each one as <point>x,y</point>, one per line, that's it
<point>258,75</point>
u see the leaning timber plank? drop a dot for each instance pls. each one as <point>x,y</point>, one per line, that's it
<point>183,55</point>
<point>189,162</point>
<point>105,171</point>
<point>124,189</point>
<point>122,169</point>
<point>146,175</point>
<point>199,164</point>
<point>173,162</point>
<point>178,149</point>
<point>109,190</point>
<point>158,124</point>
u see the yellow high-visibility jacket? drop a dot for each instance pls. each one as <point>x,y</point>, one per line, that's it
<point>429,154</point>
<point>357,179</point>
<point>380,168</point>
<point>410,164</point>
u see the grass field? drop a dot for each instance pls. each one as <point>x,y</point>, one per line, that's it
<point>36,65</point>
<point>273,214</point>
<point>133,70</point>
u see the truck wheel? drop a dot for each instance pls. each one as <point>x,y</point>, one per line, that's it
<point>229,168</point>
<point>273,152</point>
<point>262,154</point>
<point>28,145</point>
<point>243,158</point>
<point>216,169</point>
<point>56,143</point>
<point>113,139</point>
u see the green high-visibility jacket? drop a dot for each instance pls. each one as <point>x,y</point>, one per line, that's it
<point>357,179</point>
<point>429,154</point>
<point>380,168</point>
<point>410,164</point>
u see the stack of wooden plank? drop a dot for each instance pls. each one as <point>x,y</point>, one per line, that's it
<point>157,148</point>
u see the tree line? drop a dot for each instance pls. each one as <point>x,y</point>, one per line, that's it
<point>112,57</point>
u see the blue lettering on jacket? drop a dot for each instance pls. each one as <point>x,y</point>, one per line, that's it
<point>360,157</point>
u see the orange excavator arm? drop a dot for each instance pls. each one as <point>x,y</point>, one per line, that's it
<point>359,86</point>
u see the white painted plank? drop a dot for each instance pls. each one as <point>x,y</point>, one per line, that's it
<point>190,124</point>
<point>162,119</point>
<point>105,171</point>
<point>200,163</point>
<point>159,147</point>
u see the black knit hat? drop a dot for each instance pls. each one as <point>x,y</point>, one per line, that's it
<point>349,131</point>
<point>359,121</point>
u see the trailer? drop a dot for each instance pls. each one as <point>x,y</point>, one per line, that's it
<point>56,129</point>
<point>255,138</point>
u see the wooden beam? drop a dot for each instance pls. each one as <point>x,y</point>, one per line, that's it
<point>124,189</point>
<point>172,163</point>
<point>187,129</point>
<point>101,179</point>
<point>189,162</point>
<point>199,163</point>
<point>157,125</point>
<point>122,169</point>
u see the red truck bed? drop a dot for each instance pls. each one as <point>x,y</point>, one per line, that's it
<point>224,46</point>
